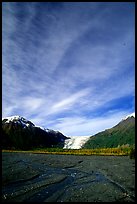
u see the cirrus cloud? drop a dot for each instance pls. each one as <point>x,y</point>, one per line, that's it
<point>68,62</point>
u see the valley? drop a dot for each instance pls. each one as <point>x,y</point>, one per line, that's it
<point>43,165</point>
<point>21,134</point>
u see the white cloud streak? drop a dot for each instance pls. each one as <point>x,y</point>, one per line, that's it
<point>78,126</point>
<point>71,100</point>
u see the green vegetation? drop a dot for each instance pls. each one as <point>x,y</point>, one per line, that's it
<point>15,136</point>
<point>118,140</point>
<point>121,134</point>
<point>106,140</point>
<point>122,150</point>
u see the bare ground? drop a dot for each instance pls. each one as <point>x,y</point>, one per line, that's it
<point>28,177</point>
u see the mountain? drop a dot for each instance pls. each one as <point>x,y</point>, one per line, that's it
<point>75,142</point>
<point>121,134</point>
<point>19,133</point>
<point>129,116</point>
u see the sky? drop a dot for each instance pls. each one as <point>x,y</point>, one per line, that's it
<point>69,66</point>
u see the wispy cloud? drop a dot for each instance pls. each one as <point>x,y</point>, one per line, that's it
<point>67,60</point>
<point>70,101</point>
<point>88,126</point>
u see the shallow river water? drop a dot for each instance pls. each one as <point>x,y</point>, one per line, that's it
<point>28,177</point>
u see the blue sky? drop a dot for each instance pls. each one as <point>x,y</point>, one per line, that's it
<point>68,66</point>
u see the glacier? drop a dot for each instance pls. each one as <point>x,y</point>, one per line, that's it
<point>75,142</point>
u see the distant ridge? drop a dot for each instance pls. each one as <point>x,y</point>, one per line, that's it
<point>130,115</point>
<point>20,133</point>
<point>121,134</point>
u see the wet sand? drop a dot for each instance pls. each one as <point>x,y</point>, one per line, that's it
<point>28,177</point>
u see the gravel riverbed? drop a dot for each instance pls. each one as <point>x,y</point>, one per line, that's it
<point>30,177</point>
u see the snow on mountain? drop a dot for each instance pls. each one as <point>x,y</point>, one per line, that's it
<point>47,130</point>
<point>25,123</point>
<point>12,118</point>
<point>130,115</point>
<point>18,119</point>
<point>40,127</point>
<point>75,142</point>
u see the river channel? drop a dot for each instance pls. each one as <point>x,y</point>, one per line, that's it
<point>29,177</point>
